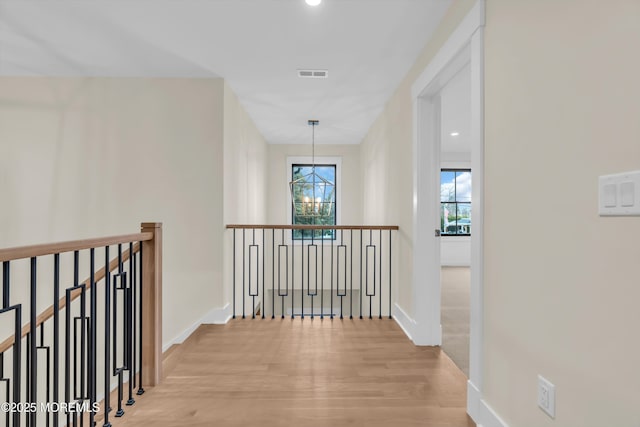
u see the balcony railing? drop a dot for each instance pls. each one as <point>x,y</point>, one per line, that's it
<point>323,271</point>
<point>59,365</point>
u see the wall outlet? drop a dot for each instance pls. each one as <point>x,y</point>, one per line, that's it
<point>547,396</point>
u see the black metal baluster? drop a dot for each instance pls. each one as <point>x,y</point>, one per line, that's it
<point>67,349</point>
<point>244,255</point>
<point>32,343</point>
<point>264,247</point>
<point>374,272</point>
<point>130,324</point>
<point>390,316</point>
<point>93,341</point>
<point>118,370</point>
<point>234,273</point>
<point>6,269</point>
<point>361,250</point>
<point>273,272</point>
<point>286,273</point>
<point>322,278</point>
<point>83,340</point>
<point>17,348</point>
<point>293,269</point>
<point>56,334</point>
<point>135,317</point>
<point>313,232</point>
<point>17,356</point>
<point>252,294</point>
<point>351,277</point>
<point>140,281</point>
<point>28,375</point>
<point>107,338</point>
<point>47,352</point>
<point>301,278</point>
<point>380,296</point>
<point>331,292</point>
<point>345,271</point>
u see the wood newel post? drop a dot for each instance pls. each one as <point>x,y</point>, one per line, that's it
<point>152,304</point>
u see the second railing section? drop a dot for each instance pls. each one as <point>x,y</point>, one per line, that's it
<point>312,271</point>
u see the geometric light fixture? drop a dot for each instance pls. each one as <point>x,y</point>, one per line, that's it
<point>312,194</point>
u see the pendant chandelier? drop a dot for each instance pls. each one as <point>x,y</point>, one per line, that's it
<point>311,193</point>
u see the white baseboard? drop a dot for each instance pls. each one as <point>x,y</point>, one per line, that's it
<point>480,411</point>
<point>217,316</point>
<point>403,320</point>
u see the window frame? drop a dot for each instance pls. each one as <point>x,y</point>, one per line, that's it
<point>455,202</point>
<point>319,161</point>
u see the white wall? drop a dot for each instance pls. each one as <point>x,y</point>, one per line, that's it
<point>88,157</point>
<point>245,184</point>
<point>562,284</point>
<point>387,161</point>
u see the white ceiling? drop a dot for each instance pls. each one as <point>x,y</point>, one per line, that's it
<point>455,113</point>
<point>256,45</point>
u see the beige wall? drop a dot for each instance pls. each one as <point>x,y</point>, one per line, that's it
<point>87,157</point>
<point>351,198</point>
<point>561,283</point>
<point>245,178</point>
<point>387,162</point>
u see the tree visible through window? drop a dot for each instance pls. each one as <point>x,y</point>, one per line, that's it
<point>314,199</point>
<point>455,202</point>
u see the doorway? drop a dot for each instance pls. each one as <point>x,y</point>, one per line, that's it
<point>456,222</point>
<point>464,47</point>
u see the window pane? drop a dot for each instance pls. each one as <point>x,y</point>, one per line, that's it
<point>455,198</point>
<point>447,186</point>
<point>463,186</point>
<point>314,199</point>
<point>448,218</point>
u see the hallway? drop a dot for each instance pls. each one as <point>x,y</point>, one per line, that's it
<point>315,373</point>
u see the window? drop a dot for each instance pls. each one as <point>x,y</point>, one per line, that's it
<point>455,202</point>
<point>314,199</point>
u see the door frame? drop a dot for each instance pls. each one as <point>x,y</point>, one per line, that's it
<point>464,46</point>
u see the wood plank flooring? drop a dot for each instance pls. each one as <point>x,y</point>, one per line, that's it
<point>313,373</point>
<point>456,284</point>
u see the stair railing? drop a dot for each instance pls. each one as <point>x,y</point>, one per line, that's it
<point>312,270</point>
<point>59,365</point>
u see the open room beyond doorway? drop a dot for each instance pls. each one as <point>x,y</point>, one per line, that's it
<point>456,222</point>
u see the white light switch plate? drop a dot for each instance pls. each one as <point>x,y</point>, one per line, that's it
<point>547,396</point>
<point>619,194</point>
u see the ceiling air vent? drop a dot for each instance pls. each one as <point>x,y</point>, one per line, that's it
<point>313,74</point>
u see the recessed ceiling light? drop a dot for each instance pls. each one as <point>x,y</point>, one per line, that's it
<point>455,133</point>
<point>313,2</point>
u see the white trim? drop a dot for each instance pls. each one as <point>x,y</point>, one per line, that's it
<point>426,219</point>
<point>217,316</point>
<point>480,410</point>
<point>406,323</point>
<point>465,45</point>
<point>476,315</point>
<point>181,337</point>
<point>458,40</point>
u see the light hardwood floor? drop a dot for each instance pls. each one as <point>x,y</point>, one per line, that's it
<point>456,283</point>
<point>314,373</point>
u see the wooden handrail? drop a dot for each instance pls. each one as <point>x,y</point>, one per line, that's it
<point>62,302</point>
<point>313,227</point>
<point>22,252</point>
